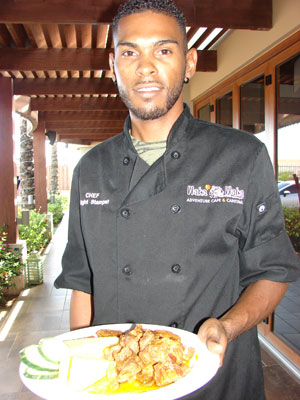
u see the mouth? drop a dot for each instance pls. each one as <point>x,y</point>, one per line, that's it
<point>148,88</point>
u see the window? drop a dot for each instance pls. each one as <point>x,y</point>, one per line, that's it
<point>224,109</point>
<point>204,113</point>
<point>253,106</point>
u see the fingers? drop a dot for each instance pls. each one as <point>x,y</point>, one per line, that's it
<point>213,334</point>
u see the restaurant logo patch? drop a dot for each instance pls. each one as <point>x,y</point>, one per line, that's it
<point>209,194</point>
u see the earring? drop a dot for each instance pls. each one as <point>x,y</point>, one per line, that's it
<point>186,80</point>
<point>114,80</point>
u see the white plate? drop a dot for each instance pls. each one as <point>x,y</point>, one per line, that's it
<point>202,372</point>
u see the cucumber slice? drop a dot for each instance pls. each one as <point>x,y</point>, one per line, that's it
<point>39,375</point>
<point>31,357</point>
<point>52,349</point>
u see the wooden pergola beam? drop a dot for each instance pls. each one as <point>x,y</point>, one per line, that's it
<point>242,14</point>
<point>88,131</point>
<point>102,115</point>
<point>75,141</point>
<point>56,86</point>
<point>77,104</point>
<point>65,59</point>
<point>26,59</point>
<point>87,137</point>
<point>56,125</point>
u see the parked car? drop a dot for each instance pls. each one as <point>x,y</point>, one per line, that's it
<point>288,193</point>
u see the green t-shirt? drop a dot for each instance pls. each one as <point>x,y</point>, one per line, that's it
<point>149,151</point>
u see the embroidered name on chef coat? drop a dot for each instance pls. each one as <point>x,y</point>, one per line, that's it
<point>91,198</point>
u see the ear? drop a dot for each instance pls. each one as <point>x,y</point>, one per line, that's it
<point>191,62</point>
<point>111,65</point>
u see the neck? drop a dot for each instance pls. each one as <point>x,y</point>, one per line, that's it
<point>157,129</point>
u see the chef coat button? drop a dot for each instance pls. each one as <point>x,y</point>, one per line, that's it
<point>125,213</point>
<point>176,268</point>
<point>175,209</point>
<point>127,270</point>
<point>126,160</point>
<point>174,324</point>
<point>175,155</point>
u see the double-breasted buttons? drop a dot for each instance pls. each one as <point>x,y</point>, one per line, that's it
<point>127,270</point>
<point>175,209</point>
<point>125,213</point>
<point>174,324</point>
<point>126,160</point>
<point>175,155</point>
<point>176,268</point>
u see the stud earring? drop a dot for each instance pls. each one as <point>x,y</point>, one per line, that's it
<point>186,80</point>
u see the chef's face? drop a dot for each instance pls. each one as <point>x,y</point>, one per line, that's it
<point>150,63</point>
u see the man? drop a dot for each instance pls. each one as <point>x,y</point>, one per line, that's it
<point>176,221</point>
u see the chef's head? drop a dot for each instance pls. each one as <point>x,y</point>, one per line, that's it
<point>151,61</point>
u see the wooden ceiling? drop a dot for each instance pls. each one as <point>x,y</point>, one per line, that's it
<point>56,51</point>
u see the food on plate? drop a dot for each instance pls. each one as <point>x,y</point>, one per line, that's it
<point>52,358</point>
<point>79,373</point>
<point>151,358</point>
<point>136,360</point>
<point>92,347</point>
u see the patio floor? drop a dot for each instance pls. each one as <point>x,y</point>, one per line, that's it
<point>43,311</point>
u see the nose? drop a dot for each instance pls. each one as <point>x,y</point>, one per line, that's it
<point>146,66</point>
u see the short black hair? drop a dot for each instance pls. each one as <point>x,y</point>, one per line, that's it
<point>166,7</point>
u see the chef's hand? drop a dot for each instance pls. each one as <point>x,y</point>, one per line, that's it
<point>213,334</point>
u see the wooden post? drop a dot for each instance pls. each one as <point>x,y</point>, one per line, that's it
<point>8,188</point>
<point>40,173</point>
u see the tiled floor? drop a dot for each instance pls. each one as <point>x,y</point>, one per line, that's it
<point>44,311</point>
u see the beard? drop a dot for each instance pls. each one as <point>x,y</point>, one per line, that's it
<point>151,111</point>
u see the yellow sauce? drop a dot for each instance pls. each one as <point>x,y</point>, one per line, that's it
<point>103,387</point>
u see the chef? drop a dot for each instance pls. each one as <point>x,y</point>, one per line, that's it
<point>176,221</point>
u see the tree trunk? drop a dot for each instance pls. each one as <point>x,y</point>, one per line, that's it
<point>26,168</point>
<point>54,186</point>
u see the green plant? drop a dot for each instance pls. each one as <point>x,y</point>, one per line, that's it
<point>57,208</point>
<point>292,225</point>
<point>36,234</point>
<point>285,176</point>
<point>10,262</point>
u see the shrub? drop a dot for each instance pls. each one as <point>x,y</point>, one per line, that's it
<point>10,263</point>
<point>285,176</point>
<point>36,234</point>
<point>57,208</point>
<point>292,225</point>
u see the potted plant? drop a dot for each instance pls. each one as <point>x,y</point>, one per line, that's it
<point>12,276</point>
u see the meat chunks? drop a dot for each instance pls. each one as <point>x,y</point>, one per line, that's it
<point>148,357</point>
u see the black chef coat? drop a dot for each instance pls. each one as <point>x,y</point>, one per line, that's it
<point>176,242</point>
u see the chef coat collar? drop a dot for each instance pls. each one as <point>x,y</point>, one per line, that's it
<point>177,132</point>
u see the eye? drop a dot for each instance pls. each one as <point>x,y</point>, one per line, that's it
<point>164,52</point>
<point>128,53</point>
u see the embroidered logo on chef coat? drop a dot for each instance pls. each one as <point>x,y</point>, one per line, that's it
<point>91,198</point>
<point>209,194</point>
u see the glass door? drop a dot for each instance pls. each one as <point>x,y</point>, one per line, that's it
<point>286,323</point>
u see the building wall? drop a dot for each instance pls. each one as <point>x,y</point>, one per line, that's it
<point>241,47</point>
